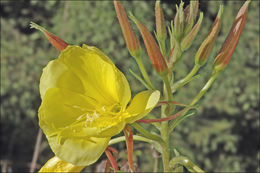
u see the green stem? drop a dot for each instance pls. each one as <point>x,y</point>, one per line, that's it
<point>148,134</point>
<point>175,122</point>
<point>155,167</point>
<point>205,88</point>
<point>135,137</point>
<point>185,80</point>
<point>140,79</point>
<point>164,126</point>
<point>185,162</point>
<point>143,71</point>
<point>179,119</point>
<point>168,87</point>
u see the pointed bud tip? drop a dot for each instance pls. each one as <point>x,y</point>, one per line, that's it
<point>189,38</point>
<point>220,11</point>
<point>231,41</point>
<point>36,26</point>
<point>128,33</point>
<point>152,48</point>
<point>160,23</point>
<point>243,9</point>
<point>53,39</point>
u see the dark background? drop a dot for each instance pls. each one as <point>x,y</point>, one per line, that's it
<point>222,137</point>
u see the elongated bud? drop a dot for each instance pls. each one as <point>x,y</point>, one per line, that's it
<point>53,39</point>
<point>152,48</point>
<point>205,48</point>
<point>187,41</point>
<point>195,7</point>
<point>190,15</point>
<point>179,22</point>
<point>160,23</point>
<point>129,35</point>
<point>232,39</point>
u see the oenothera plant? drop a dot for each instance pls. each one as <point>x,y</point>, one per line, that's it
<point>86,99</point>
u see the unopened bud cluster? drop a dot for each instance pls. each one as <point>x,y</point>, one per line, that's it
<point>182,32</point>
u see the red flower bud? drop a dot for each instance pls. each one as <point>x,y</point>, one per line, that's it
<point>152,48</point>
<point>53,39</point>
<point>232,39</point>
<point>129,35</point>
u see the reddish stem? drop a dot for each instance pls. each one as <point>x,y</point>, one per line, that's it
<point>162,119</point>
<point>112,149</point>
<point>107,166</point>
<point>111,159</point>
<point>129,144</point>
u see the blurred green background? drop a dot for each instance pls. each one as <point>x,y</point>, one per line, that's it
<point>222,137</point>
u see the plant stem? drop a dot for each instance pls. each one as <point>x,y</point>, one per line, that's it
<point>186,79</point>
<point>195,100</point>
<point>164,129</point>
<point>143,71</point>
<point>135,137</point>
<point>185,162</point>
<point>165,137</point>
<point>148,134</point>
<point>129,145</point>
<point>36,151</point>
<point>205,88</point>
<point>168,87</point>
<point>155,167</point>
<point>112,159</point>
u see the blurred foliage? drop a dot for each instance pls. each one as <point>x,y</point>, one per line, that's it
<point>222,136</point>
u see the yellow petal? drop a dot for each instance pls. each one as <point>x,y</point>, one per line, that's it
<point>100,77</point>
<point>142,104</point>
<point>55,164</point>
<point>95,50</point>
<point>56,74</point>
<point>81,151</point>
<point>61,107</point>
<point>70,114</point>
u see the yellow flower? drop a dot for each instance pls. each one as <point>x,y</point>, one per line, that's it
<point>85,102</point>
<point>55,164</point>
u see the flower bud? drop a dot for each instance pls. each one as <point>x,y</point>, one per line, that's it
<point>53,39</point>
<point>190,15</point>
<point>152,48</point>
<point>205,48</point>
<point>232,39</point>
<point>129,35</point>
<point>179,22</point>
<point>194,6</point>
<point>187,41</point>
<point>160,23</point>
